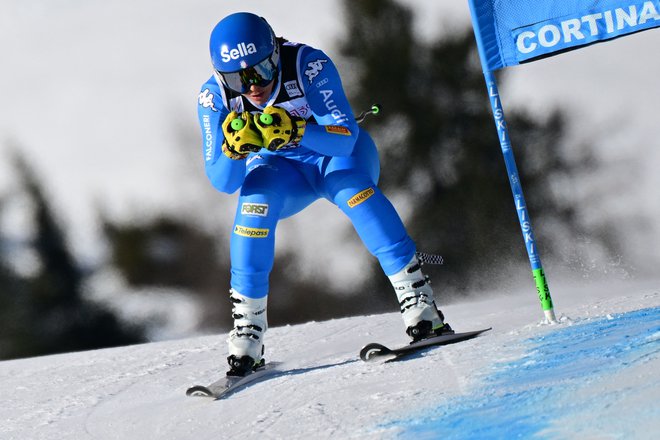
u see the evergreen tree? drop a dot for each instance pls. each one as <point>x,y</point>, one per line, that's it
<point>13,291</point>
<point>49,311</point>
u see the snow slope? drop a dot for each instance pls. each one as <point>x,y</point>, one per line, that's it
<point>595,375</point>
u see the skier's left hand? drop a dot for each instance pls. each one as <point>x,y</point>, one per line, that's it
<point>279,128</point>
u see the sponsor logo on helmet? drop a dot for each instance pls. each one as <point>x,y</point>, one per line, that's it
<point>338,129</point>
<point>260,209</point>
<point>314,68</point>
<point>245,231</point>
<point>292,89</point>
<point>205,99</point>
<point>240,51</point>
<point>360,197</point>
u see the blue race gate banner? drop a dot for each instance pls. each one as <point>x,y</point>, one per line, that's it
<point>511,32</point>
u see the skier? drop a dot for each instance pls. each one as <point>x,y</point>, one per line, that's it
<point>276,123</point>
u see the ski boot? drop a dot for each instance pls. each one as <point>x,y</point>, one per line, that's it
<point>420,315</point>
<point>246,348</point>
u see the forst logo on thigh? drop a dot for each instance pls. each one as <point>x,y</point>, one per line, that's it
<point>260,209</point>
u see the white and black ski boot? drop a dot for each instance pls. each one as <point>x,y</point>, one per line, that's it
<point>420,314</point>
<point>246,346</point>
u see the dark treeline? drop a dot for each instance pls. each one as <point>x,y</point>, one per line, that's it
<point>46,312</point>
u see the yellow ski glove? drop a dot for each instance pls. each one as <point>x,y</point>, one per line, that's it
<point>279,128</point>
<point>241,136</point>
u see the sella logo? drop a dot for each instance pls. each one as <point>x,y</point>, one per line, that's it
<point>240,51</point>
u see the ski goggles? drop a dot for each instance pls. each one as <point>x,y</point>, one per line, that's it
<point>261,74</point>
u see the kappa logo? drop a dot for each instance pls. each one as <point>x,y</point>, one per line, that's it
<point>260,209</point>
<point>205,99</point>
<point>292,89</point>
<point>245,231</point>
<point>241,50</point>
<point>360,197</point>
<point>314,68</point>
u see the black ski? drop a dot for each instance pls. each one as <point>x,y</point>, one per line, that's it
<point>228,385</point>
<point>375,351</point>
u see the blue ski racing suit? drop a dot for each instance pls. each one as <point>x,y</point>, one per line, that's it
<point>335,160</point>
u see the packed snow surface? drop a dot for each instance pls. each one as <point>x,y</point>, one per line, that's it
<point>596,374</point>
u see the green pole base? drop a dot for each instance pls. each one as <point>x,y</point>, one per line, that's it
<point>543,291</point>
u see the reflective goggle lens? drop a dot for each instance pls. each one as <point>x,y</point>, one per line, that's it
<point>260,75</point>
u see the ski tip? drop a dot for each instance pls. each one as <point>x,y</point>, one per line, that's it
<point>199,390</point>
<point>372,351</point>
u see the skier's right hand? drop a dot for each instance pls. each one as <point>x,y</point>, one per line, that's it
<point>241,136</point>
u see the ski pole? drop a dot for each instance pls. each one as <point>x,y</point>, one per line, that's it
<point>237,124</point>
<point>264,118</point>
<point>374,110</point>
<point>267,119</point>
